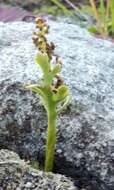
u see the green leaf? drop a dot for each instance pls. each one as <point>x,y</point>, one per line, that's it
<point>35,88</point>
<point>44,92</point>
<point>63,104</point>
<point>48,79</point>
<point>61,94</point>
<point>43,61</point>
<point>92,29</point>
<point>50,76</point>
<point>56,69</point>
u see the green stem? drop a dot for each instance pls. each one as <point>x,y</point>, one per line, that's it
<point>112,14</point>
<point>51,138</point>
<point>96,15</point>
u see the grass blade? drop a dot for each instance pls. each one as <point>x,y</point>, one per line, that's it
<point>112,13</point>
<point>102,9</point>
<point>61,6</point>
<point>93,5</point>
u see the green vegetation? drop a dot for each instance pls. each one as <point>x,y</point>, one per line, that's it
<point>72,10</point>
<point>58,8</point>
<point>54,7</point>
<point>103,13</point>
<point>52,90</point>
<point>51,10</point>
<point>63,8</point>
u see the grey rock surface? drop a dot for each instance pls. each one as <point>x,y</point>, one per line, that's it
<point>85,137</point>
<point>15,174</point>
<point>25,3</point>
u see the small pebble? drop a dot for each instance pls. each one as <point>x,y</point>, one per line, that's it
<point>28,185</point>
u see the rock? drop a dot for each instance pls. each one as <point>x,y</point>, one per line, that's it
<point>85,136</point>
<point>16,174</point>
<point>8,14</point>
<point>25,3</point>
<point>28,185</point>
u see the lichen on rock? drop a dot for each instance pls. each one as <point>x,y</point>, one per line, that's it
<point>15,174</point>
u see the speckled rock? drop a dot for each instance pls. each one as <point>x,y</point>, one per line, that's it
<point>85,135</point>
<point>15,174</point>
